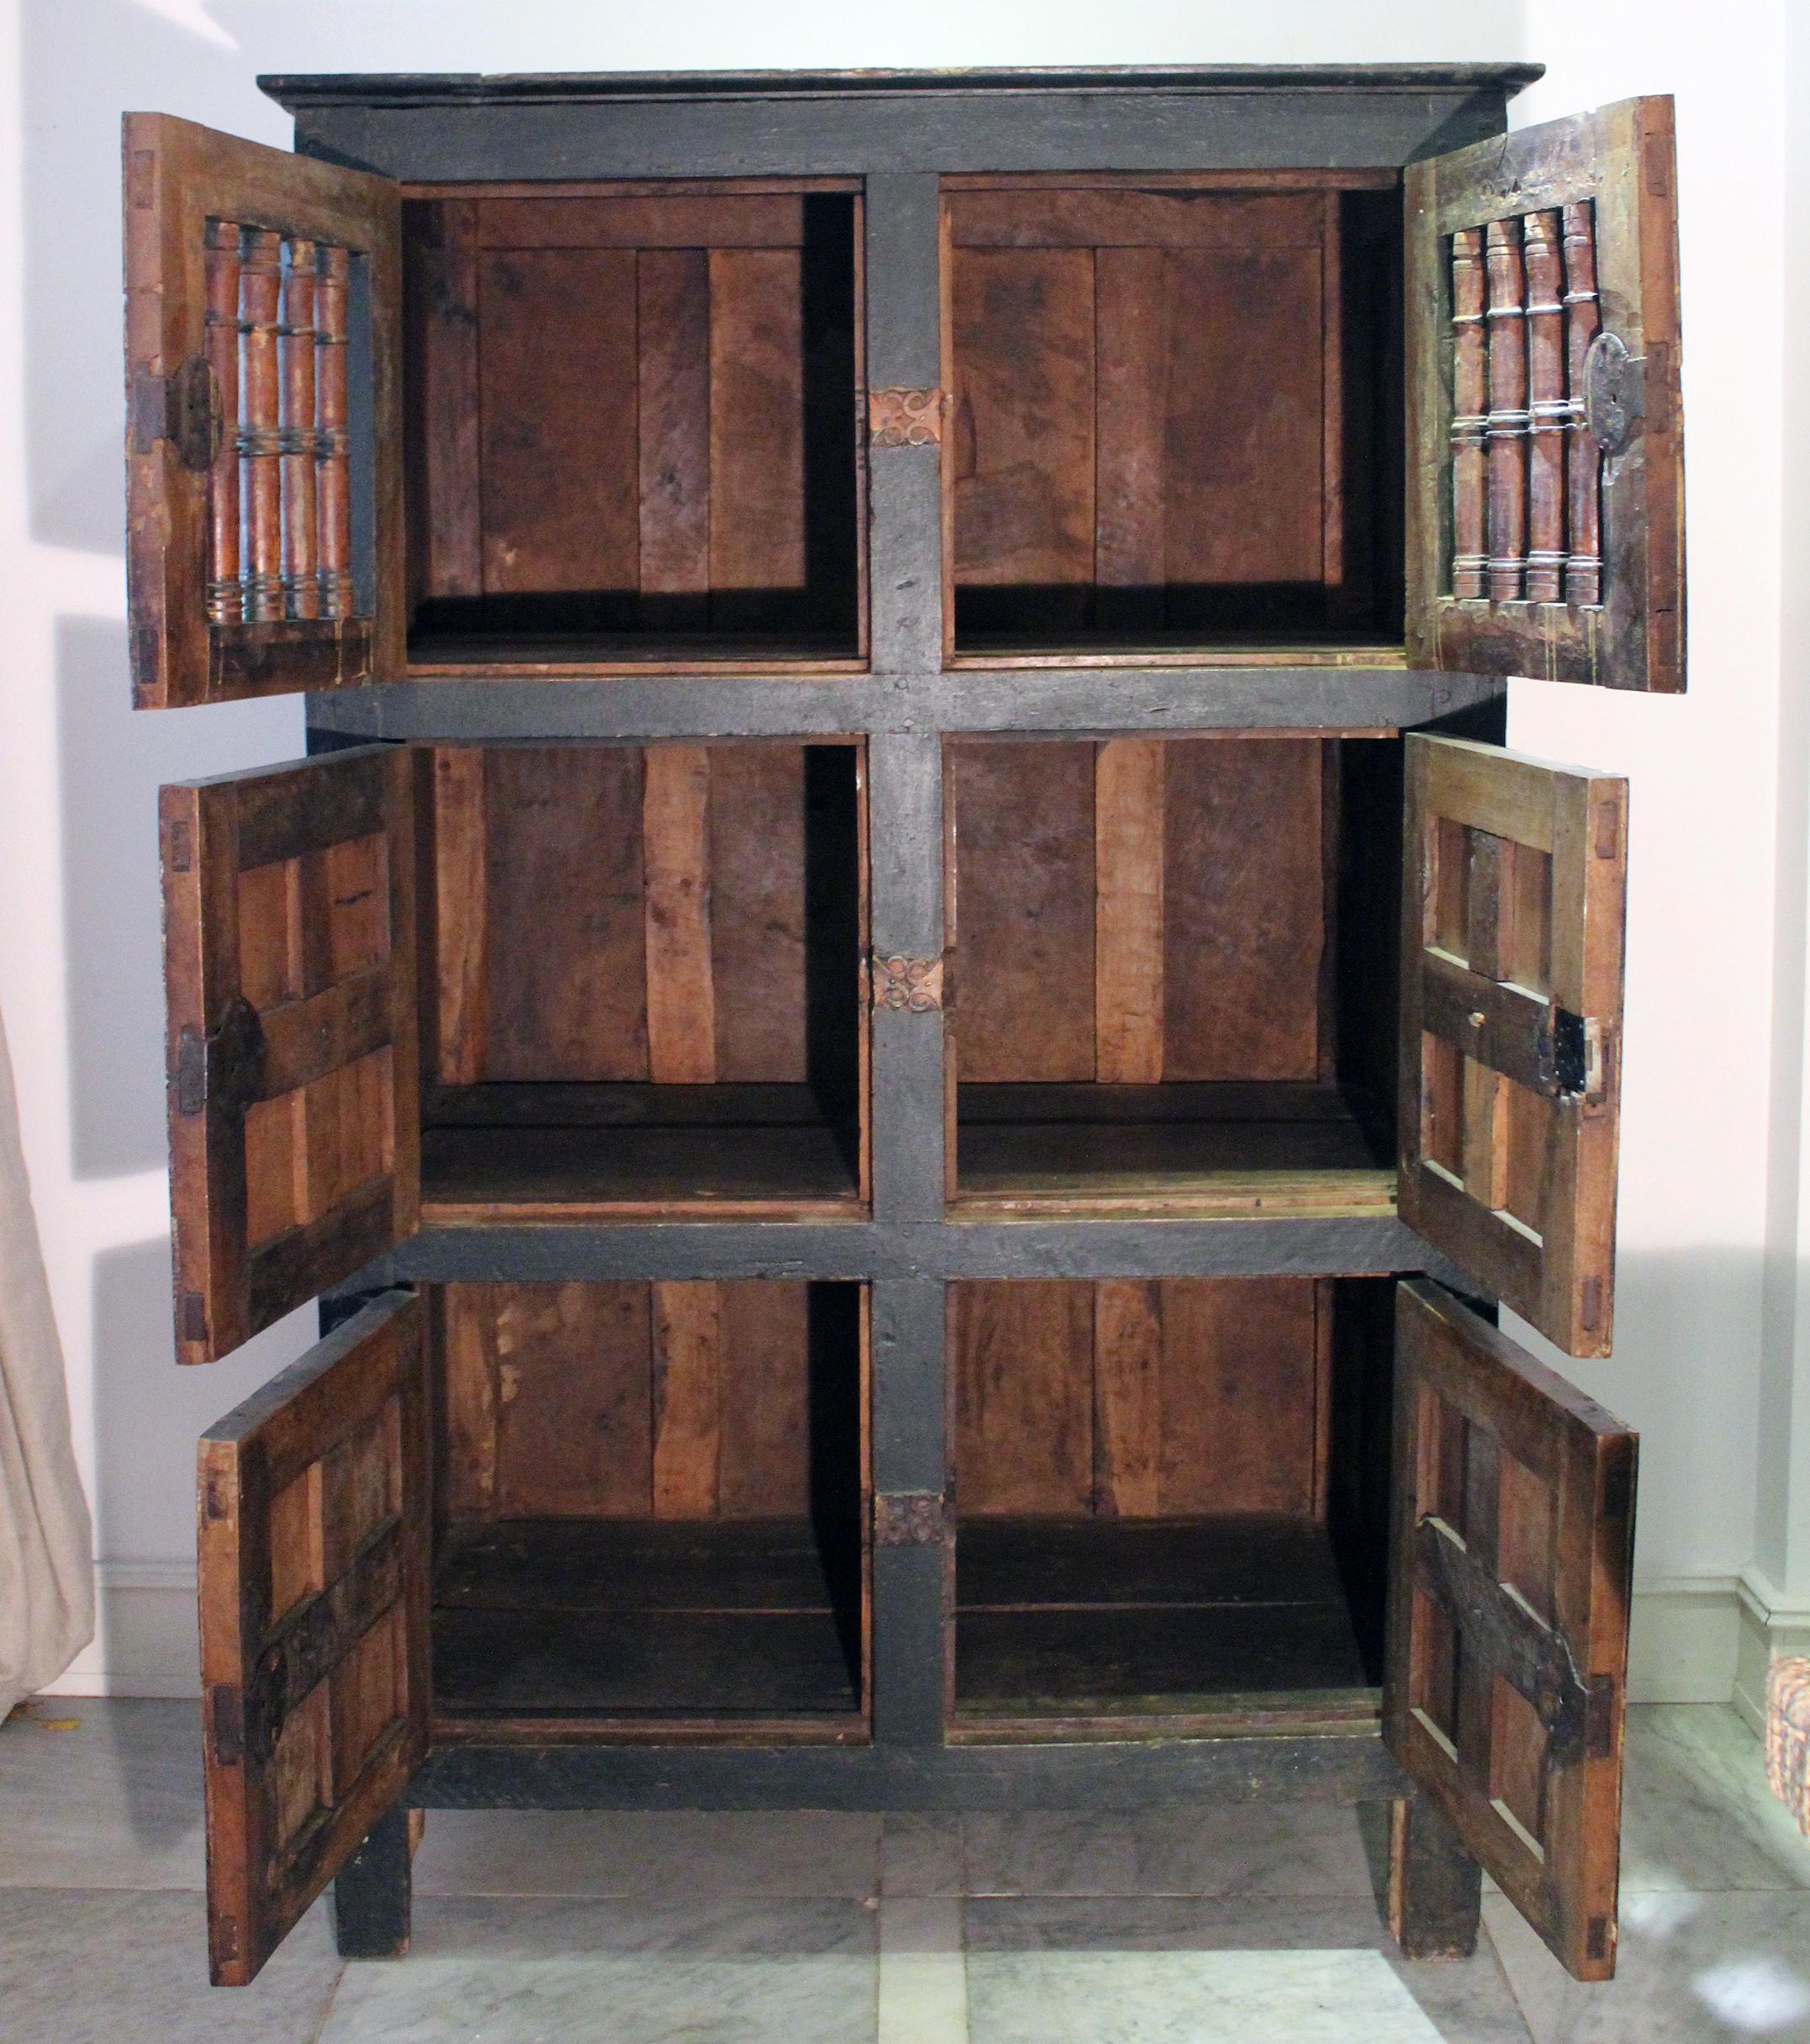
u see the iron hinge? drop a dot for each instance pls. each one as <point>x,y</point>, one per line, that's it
<point>181,408</point>
<point>1571,1056</point>
<point>226,1724</point>
<point>1615,391</point>
<point>218,1069</point>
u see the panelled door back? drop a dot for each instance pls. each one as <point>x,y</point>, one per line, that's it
<point>1514,876</point>
<point>1510,1579</point>
<point>292,1038</point>
<point>1545,439</point>
<point>313,1536</point>
<point>264,477</point>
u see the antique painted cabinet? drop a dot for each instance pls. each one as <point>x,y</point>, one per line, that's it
<point>906,1015</point>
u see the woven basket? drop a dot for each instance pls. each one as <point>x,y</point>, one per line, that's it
<point>1788,1736</point>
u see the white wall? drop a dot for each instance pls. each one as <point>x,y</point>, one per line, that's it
<point>79,978</point>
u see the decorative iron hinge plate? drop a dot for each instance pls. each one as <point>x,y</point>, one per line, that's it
<point>180,409</point>
<point>220,1070</point>
<point>913,985</point>
<point>1615,390</point>
<point>1571,1057</point>
<point>904,418</point>
<point>908,1519</point>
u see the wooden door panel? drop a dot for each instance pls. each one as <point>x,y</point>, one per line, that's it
<point>262,458</point>
<point>1545,436</point>
<point>1514,884</point>
<point>1511,1563</point>
<point>294,1115</point>
<point>314,1551</point>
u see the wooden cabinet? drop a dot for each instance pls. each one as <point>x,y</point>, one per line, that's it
<point>907,1015</point>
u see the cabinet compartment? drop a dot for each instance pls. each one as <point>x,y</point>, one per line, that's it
<point>643,992</point>
<point>650,1505</point>
<point>1176,414</point>
<point>630,425</point>
<point>1174,1498</point>
<point>1175,972</point>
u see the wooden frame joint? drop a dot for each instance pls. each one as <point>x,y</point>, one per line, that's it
<point>908,986</point>
<point>905,418</point>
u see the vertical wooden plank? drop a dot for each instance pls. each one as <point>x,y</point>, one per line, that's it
<point>1024,863</point>
<point>687,1384</point>
<point>462,914</point>
<point>225,598</point>
<point>1022,436</point>
<point>673,292</point>
<point>757,566</point>
<point>764,1410</point>
<point>675,839</point>
<point>1486,1142</point>
<point>557,396</point>
<point>446,504</point>
<point>1548,408</point>
<point>1131,351</point>
<point>1128,867</point>
<point>261,483</point>
<point>1508,411</point>
<point>469,1401</point>
<point>1237,1353</point>
<point>1023,1392</point>
<point>573,1400</point>
<point>759,911</point>
<point>1583,567</point>
<point>1246,448</point>
<point>1332,401</point>
<point>564,938</point>
<point>1244,894</point>
<point>1128,1349</point>
<point>1469,422</point>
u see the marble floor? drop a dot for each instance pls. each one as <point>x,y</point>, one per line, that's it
<point>1171,1926</point>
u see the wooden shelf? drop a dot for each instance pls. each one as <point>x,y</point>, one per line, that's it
<point>577,1152</point>
<point>1087,1618</point>
<point>1187,1151</point>
<point>657,1620</point>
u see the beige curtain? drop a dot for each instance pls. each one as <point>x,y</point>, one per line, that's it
<point>46,1544</point>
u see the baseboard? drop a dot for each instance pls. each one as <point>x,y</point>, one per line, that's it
<point>1691,1639</point>
<point>146,1642</point>
<point>1770,1623</point>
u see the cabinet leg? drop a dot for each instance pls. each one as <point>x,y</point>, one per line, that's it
<point>1435,1887</point>
<point>371,1894</point>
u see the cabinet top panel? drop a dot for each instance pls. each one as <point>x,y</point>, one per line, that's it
<point>467,127</point>
<point>414,88</point>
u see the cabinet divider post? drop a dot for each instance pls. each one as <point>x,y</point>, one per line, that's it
<point>373,1894</point>
<point>1435,1887</point>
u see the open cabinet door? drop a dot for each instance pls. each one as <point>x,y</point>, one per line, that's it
<point>314,1549</point>
<point>1510,1566</point>
<point>263,491</point>
<point>291,1046</point>
<point>1545,484</point>
<point>1514,880</point>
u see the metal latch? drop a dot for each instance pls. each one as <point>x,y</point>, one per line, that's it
<point>1615,391</point>
<point>181,408</point>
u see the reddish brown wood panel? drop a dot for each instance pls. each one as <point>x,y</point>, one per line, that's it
<point>1510,1567</point>
<point>292,1036</point>
<point>1181,1397</point>
<point>1244,452</point>
<point>565,944</point>
<point>445,503</point>
<point>313,1560</point>
<point>1023,430</point>
<point>674,441</point>
<point>1513,907</point>
<point>1024,862</point>
<point>759,911</point>
<point>559,447</point>
<point>1609,180</point>
<point>1023,1396</point>
<point>757,435</point>
<point>676,876</point>
<point>626,1401</point>
<point>1245,909</point>
<point>212,621</point>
